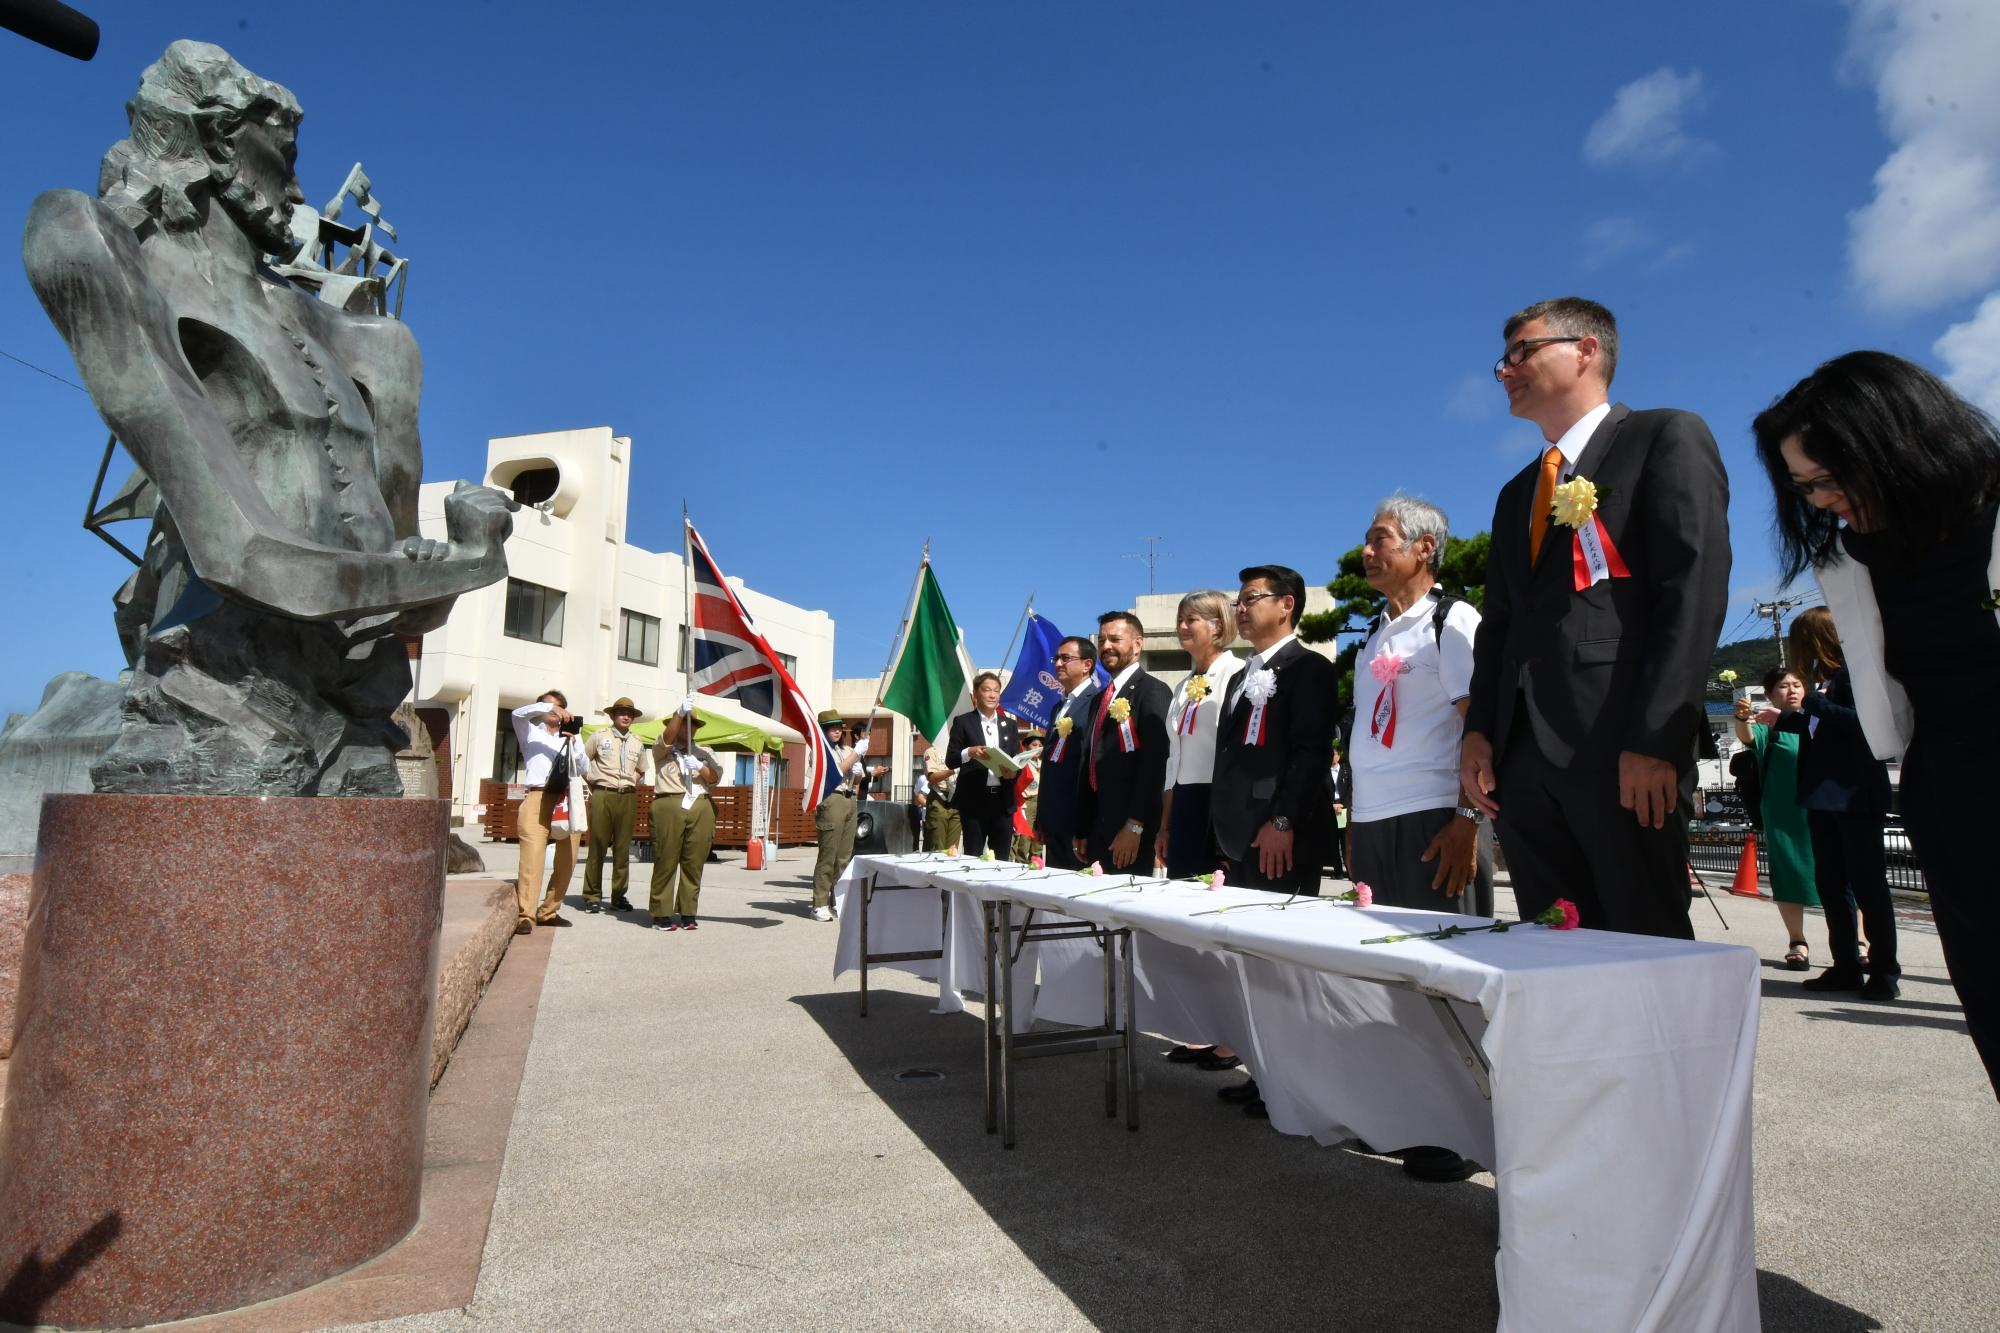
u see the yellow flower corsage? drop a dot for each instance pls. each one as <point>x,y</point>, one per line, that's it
<point>1065,725</point>
<point>1120,709</point>
<point>1575,502</point>
<point>1197,689</point>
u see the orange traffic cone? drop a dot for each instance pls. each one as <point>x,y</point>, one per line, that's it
<point>1745,885</point>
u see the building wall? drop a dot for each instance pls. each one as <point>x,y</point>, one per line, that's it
<point>575,543</point>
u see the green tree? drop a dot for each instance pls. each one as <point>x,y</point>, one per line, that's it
<point>1355,603</point>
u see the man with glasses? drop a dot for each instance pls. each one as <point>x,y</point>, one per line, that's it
<point>1062,756</point>
<point>1605,592</point>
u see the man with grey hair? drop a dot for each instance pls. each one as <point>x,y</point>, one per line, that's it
<point>1413,838</point>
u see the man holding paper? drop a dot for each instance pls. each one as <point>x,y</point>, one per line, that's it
<point>982,745</point>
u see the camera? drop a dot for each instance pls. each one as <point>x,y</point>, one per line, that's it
<point>571,727</point>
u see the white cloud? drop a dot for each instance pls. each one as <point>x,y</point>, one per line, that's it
<point>1971,355</point>
<point>1609,239</point>
<point>1931,234</point>
<point>1643,123</point>
<point>1474,398</point>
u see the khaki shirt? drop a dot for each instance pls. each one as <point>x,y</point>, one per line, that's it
<point>668,776</point>
<point>844,760</point>
<point>614,761</point>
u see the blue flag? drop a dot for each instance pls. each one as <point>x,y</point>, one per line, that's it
<point>1033,694</point>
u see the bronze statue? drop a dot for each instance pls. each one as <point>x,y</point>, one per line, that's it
<point>280,433</point>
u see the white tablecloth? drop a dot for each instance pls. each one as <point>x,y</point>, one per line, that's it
<point>1619,1130</point>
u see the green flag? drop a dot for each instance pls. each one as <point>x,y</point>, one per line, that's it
<point>930,675</point>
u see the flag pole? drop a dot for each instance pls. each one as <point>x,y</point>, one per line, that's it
<point>687,597</point>
<point>902,630</point>
<point>1008,656</point>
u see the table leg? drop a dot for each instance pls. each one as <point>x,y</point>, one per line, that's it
<point>1006,1025</point>
<point>989,1038</point>
<point>867,890</point>
<point>1107,943</point>
<point>1130,1033</point>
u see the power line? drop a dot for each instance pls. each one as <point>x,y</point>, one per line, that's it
<point>1776,611</point>
<point>39,371</point>
<point>1152,557</point>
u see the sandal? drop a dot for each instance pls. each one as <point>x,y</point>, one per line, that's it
<point>1798,958</point>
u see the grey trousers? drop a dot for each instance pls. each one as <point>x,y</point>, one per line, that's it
<point>1388,858</point>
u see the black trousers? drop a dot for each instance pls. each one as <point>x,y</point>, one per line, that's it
<point>1057,853</point>
<point>1566,836</point>
<point>1849,870</point>
<point>986,817</point>
<point>1945,808</point>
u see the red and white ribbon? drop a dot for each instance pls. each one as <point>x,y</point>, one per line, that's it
<point>1189,711</point>
<point>1385,667</point>
<point>1126,736</point>
<point>1594,558</point>
<point>1062,743</point>
<point>1253,728</point>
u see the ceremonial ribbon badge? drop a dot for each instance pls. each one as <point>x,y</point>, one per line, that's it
<point>1592,556</point>
<point>1385,667</point>
<point>1121,713</point>
<point>1064,726</point>
<point>1258,687</point>
<point>1197,690</point>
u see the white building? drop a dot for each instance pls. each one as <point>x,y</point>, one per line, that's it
<point>581,611</point>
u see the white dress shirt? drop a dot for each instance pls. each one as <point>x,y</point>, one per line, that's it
<point>1576,437</point>
<point>1191,758</point>
<point>539,745</point>
<point>989,729</point>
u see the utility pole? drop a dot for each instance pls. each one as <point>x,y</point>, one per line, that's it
<point>1776,611</point>
<point>1152,559</point>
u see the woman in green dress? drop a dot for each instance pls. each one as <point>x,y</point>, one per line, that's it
<point>1787,838</point>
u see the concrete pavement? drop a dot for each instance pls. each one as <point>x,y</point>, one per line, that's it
<point>708,1136</point>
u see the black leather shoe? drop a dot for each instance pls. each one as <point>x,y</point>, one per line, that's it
<point>1439,1166</point>
<point>1881,988</point>
<point>1255,1110</point>
<point>1240,1094</point>
<point>621,904</point>
<point>1189,1055</point>
<point>1835,978</point>
<point>1215,1064</point>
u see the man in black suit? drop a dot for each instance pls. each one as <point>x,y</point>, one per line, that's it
<point>984,800</point>
<point>1273,748</point>
<point>1125,770</point>
<point>1063,753</point>
<point>1591,661</point>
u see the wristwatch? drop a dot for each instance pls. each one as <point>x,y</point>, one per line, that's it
<point>1282,824</point>
<point>1473,813</point>
<point>1134,826</point>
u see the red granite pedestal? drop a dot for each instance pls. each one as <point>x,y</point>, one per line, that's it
<point>222,1051</point>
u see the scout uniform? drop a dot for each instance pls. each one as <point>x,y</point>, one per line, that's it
<point>834,821</point>
<point>683,828</point>
<point>614,761</point>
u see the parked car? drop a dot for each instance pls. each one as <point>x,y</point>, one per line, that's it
<point>1896,847</point>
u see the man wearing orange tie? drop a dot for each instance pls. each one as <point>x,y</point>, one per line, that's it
<point>1605,591</point>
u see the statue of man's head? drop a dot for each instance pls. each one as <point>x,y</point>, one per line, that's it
<point>203,126</point>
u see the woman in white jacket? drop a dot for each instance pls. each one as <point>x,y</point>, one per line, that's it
<point>1888,488</point>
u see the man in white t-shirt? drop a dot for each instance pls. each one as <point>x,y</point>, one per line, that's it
<point>1414,839</point>
<point>1416,842</point>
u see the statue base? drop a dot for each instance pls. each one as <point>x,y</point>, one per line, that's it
<point>222,1056</point>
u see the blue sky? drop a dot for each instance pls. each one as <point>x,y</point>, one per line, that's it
<point>1040,280</point>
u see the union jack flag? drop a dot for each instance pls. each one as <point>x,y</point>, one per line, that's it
<point>733,661</point>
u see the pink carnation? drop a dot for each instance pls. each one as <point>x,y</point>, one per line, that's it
<point>1363,895</point>
<point>1096,868</point>
<point>1571,918</point>
<point>1035,861</point>
<point>1216,882</point>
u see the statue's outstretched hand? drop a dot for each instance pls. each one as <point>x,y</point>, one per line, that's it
<point>478,517</point>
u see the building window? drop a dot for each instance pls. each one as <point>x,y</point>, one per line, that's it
<point>534,613</point>
<point>536,485</point>
<point>506,749</point>
<point>639,637</point>
<point>746,771</point>
<point>681,655</point>
<point>789,663</point>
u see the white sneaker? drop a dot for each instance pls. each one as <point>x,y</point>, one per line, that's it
<point>822,914</point>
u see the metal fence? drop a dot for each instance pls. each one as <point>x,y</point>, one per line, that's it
<point>1716,854</point>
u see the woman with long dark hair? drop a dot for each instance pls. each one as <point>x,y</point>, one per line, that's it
<point>1888,489</point>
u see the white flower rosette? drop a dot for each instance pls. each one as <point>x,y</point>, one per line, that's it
<point>1259,687</point>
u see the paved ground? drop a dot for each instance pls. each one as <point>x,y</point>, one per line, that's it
<point>707,1136</point>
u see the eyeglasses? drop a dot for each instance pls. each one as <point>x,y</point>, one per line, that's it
<point>1819,483</point>
<point>1070,657</point>
<point>1252,598</point>
<point>1527,347</point>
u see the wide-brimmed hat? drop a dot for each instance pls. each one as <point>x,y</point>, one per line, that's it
<point>623,705</point>
<point>832,718</point>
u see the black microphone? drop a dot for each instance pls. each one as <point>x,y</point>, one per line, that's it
<point>51,24</point>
